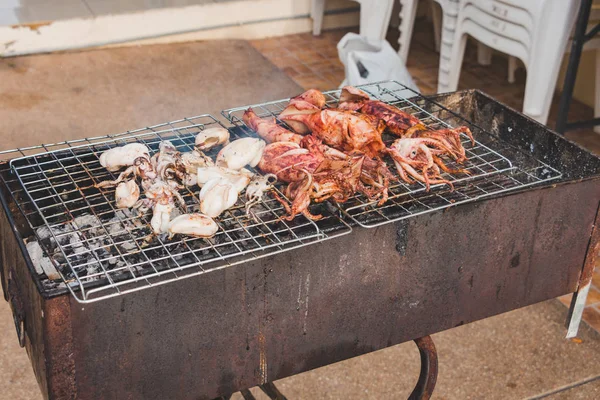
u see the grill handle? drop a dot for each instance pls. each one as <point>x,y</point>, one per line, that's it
<point>16,304</point>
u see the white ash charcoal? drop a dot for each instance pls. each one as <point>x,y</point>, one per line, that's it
<point>94,243</point>
<point>128,246</point>
<point>42,264</point>
<point>92,265</point>
<point>92,269</point>
<point>77,246</point>
<point>44,233</point>
<point>114,226</point>
<point>65,236</point>
<point>58,257</point>
<point>85,221</point>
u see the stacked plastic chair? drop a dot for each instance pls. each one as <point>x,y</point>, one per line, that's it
<point>375,17</point>
<point>534,31</point>
<point>444,27</point>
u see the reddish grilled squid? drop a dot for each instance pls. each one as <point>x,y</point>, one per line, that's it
<point>333,179</point>
<point>344,130</point>
<point>403,124</point>
<point>311,175</point>
<point>418,159</point>
<point>269,130</point>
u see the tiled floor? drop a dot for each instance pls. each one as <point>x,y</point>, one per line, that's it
<point>313,63</point>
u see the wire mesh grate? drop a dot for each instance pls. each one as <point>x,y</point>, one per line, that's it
<point>101,251</point>
<point>490,165</point>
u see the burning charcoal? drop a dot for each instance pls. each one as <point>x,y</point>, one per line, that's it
<point>42,264</point>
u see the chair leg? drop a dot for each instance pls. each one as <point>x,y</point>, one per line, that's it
<point>451,61</point>
<point>407,23</point>
<point>484,54</point>
<point>436,15</point>
<point>317,10</point>
<point>374,20</point>
<point>512,67</point>
<point>540,85</point>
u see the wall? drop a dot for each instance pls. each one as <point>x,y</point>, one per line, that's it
<point>233,19</point>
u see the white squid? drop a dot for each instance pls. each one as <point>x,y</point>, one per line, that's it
<point>127,194</point>
<point>241,152</point>
<point>212,137</point>
<point>197,225</point>
<point>239,179</point>
<point>124,156</point>
<point>216,196</point>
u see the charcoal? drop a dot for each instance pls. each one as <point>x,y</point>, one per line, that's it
<point>42,264</point>
<point>77,246</point>
<point>127,246</point>
<point>85,221</point>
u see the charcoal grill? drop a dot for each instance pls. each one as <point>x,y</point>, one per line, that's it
<point>267,298</point>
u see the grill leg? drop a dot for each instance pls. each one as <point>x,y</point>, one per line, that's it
<point>271,391</point>
<point>247,395</point>
<point>422,391</point>
<point>429,369</point>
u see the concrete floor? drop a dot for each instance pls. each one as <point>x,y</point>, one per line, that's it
<point>522,354</point>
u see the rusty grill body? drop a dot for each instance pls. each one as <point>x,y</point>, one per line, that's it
<point>237,323</point>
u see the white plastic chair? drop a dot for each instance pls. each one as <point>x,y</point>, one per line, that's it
<point>534,31</point>
<point>375,17</point>
<point>443,25</point>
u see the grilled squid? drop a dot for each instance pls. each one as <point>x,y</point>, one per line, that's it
<point>239,179</point>
<point>127,194</point>
<point>241,152</point>
<point>197,225</point>
<point>167,161</point>
<point>212,137</point>
<point>308,102</point>
<point>161,197</point>
<point>124,156</point>
<point>216,196</point>
<point>269,130</point>
<point>256,188</point>
<point>190,162</point>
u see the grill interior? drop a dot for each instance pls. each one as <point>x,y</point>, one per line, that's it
<point>101,251</point>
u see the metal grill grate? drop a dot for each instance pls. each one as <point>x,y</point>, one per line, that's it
<point>489,161</point>
<point>101,251</point>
